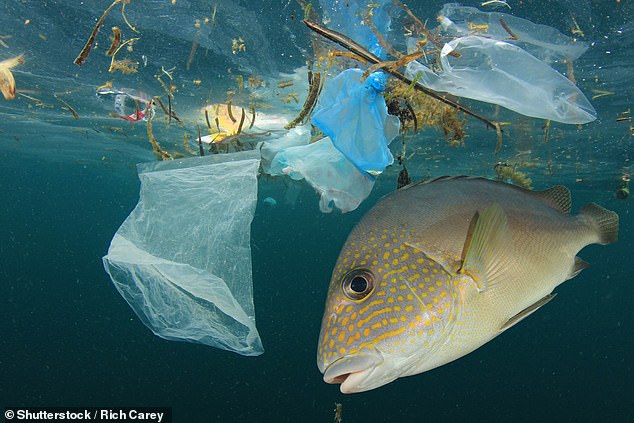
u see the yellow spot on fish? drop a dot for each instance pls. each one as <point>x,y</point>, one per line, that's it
<point>342,336</point>
<point>376,326</point>
<point>331,343</point>
<point>350,327</point>
<point>366,332</point>
<point>371,304</point>
<point>393,320</point>
<point>353,338</point>
<point>420,261</point>
<point>390,300</point>
<point>404,257</point>
<point>349,308</point>
<point>386,255</point>
<point>375,262</point>
<point>409,308</point>
<point>399,298</point>
<point>342,350</point>
<point>394,262</point>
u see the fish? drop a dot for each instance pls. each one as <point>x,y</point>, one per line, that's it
<point>438,268</point>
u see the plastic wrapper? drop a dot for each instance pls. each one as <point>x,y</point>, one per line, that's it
<point>182,258</point>
<point>368,128</point>
<point>129,104</point>
<point>542,41</point>
<point>501,73</point>
<point>300,135</point>
<point>332,175</point>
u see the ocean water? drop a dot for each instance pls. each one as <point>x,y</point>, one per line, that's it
<point>67,338</point>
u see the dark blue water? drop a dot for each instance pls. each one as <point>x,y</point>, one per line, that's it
<point>67,338</point>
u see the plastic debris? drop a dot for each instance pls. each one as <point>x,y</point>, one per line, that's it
<point>542,41</point>
<point>129,104</point>
<point>333,176</point>
<point>368,128</point>
<point>182,258</point>
<point>346,17</point>
<point>7,82</point>
<point>501,73</point>
<point>270,202</point>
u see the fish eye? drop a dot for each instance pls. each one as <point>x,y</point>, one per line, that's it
<point>357,284</point>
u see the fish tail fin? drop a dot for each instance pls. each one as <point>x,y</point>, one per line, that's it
<point>605,222</point>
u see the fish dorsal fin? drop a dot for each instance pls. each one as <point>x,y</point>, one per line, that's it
<point>557,197</point>
<point>485,249</point>
<point>526,312</point>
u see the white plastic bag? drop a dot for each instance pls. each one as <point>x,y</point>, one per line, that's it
<point>501,73</point>
<point>182,258</point>
<point>543,42</point>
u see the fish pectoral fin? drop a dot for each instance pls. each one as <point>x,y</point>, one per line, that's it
<point>484,256</point>
<point>526,312</point>
<point>579,265</point>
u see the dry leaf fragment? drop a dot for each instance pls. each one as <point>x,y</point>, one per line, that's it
<point>7,82</point>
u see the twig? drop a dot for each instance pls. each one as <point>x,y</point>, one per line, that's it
<point>352,46</point>
<point>83,55</point>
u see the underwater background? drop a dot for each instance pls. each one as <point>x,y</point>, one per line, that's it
<point>67,338</point>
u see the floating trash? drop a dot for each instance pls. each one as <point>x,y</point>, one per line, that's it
<point>182,259</point>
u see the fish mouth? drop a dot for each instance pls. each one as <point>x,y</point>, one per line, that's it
<point>351,371</point>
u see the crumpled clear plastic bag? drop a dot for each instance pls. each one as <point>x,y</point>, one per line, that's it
<point>300,135</point>
<point>337,181</point>
<point>182,258</point>
<point>501,73</point>
<point>543,42</point>
<point>354,115</point>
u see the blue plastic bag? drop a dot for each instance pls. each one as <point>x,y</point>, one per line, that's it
<point>354,115</point>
